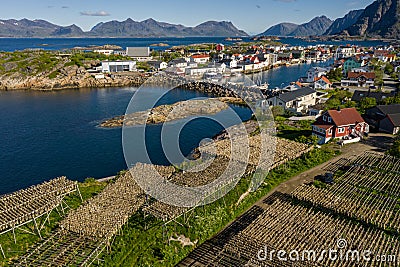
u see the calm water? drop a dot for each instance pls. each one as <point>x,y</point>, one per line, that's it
<point>12,44</point>
<point>49,134</point>
<point>284,75</point>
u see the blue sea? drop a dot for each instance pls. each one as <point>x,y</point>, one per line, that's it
<point>12,44</point>
<point>49,134</point>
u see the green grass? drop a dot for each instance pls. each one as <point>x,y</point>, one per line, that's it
<point>54,74</point>
<point>24,240</point>
<point>295,131</point>
<point>145,246</point>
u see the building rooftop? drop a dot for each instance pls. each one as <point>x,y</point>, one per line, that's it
<point>138,51</point>
<point>324,79</point>
<point>389,109</point>
<point>200,56</point>
<point>395,119</point>
<point>287,97</point>
<point>358,95</point>
<point>345,116</point>
<point>355,75</point>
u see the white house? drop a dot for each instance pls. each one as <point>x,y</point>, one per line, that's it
<point>174,71</point>
<point>178,62</point>
<point>322,83</point>
<point>106,52</point>
<point>271,58</point>
<point>315,73</point>
<point>233,63</point>
<point>157,64</point>
<point>346,51</point>
<point>297,101</point>
<point>120,52</point>
<point>215,68</point>
<point>118,66</point>
<point>200,58</point>
<point>139,53</point>
<point>360,79</point>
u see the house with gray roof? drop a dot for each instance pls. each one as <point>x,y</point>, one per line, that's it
<point>297,101</point>
<point>178,62</point>
<point>384,118</point>
<point>139,53</point>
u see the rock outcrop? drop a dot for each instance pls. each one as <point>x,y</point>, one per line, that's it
<point>341,24</point>
<point>380,19</point>
<point>68,77</point>
<point>166,113</point>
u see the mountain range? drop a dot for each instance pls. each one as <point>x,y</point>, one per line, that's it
<point>379,19</point>
<point>342,24</point>
<point>317,26</point>
<point>127,28</point>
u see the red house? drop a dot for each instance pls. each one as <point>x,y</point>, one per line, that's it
<point>220,47</point>
<point>344,123</point>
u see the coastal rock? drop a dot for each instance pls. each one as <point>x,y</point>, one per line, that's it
<point>166,113</point>
<point>68,77</point>
<point>381,18</point>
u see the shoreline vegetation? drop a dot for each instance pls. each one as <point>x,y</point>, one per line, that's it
<point>176,111</point>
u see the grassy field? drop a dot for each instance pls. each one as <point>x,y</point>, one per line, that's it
<point>24,240</point>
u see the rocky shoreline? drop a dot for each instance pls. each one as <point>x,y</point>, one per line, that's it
<point>167,113</point>
<point>70,77</point>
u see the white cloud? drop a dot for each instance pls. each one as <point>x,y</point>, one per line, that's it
<point>95,14</point>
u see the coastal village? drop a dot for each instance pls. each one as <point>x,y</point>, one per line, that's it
<point>359,79</point>
<point>348,94</point>
<point>150,143</point>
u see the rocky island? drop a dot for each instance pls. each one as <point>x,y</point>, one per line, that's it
<point>166,113</point>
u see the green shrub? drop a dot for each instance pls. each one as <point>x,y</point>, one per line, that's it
<point>54,74</point>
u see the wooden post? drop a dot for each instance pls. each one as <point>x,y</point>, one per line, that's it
<point>36,226</point>
<point>13,231</point>
<point>2,251</point>
<point>79,192</point>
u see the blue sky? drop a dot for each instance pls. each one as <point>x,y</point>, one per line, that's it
<point>253,16</point>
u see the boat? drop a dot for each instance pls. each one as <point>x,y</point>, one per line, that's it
<point>263,86</point>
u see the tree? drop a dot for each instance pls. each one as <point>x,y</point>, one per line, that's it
<point>395,149</point>
<point>335,74</point>
<point>367,102</point>
<point>333,103</point>
<point>278,111</point>
<point>389,68</point>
